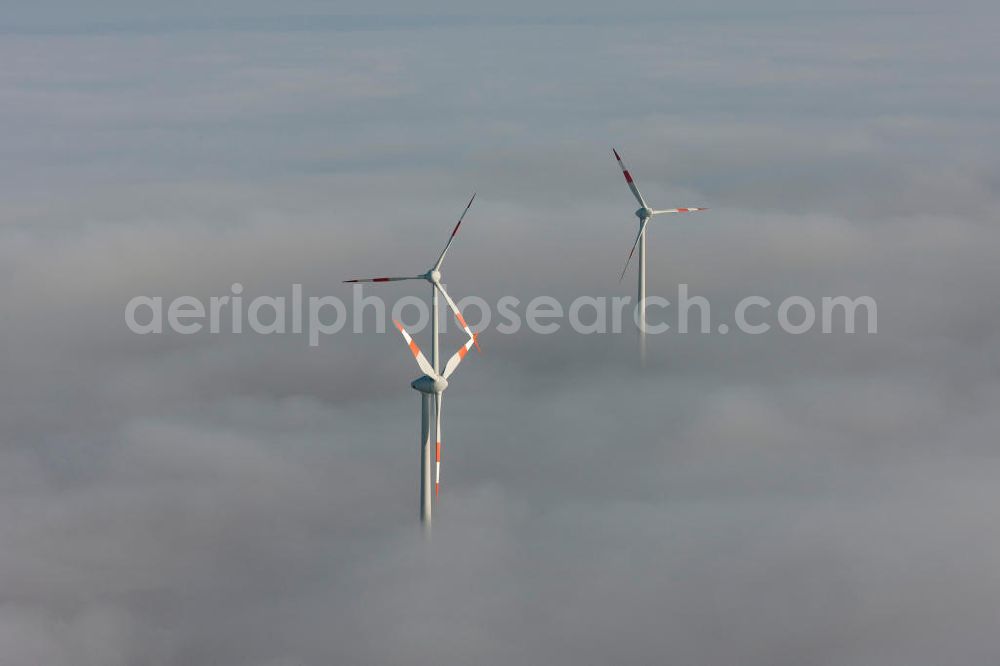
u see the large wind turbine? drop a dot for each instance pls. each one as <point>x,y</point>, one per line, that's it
<point>433,276</point>
<point>645,213</point>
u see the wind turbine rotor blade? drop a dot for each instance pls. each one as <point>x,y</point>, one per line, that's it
<point>628,179</point>
<point>459,355</point>
<point>386,279</point>
<point>454,231</point>
<point>458,314</point>
<point>642,228</point>
<point>437,448</point>
<point>678,210</point>
<point>422,361</point>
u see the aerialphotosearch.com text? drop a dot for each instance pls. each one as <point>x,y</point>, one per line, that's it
<point>322,316</point>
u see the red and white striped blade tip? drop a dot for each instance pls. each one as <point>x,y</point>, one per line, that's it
<point>378,279</point>
<point>628,178</point>
<point>437,469</point>
<point>462,216</point>
<point>409,340</point>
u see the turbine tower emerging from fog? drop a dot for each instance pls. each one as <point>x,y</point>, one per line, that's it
<point>432,385</point>
<point>433,382</point>
<point>645,213</point>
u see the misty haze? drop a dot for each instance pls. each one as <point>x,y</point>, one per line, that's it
<point>242,499</point>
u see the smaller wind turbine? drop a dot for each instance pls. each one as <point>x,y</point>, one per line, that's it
<point>645,213</point>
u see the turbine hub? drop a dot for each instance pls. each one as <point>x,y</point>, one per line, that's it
<point>435,276</point>
<point>426,384</point>
<point>643,213</point>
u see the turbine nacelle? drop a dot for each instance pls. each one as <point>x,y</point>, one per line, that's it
<point>430,385</point>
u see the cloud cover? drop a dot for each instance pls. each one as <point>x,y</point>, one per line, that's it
<point>249,500</point>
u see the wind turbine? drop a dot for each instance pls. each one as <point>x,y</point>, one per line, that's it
<point>645,213</point>
<point>433,276</point>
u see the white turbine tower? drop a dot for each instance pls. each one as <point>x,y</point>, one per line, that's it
<point>645,213</point>
<point>433,276</point>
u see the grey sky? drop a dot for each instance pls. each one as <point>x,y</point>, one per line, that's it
<point>249,501</point>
